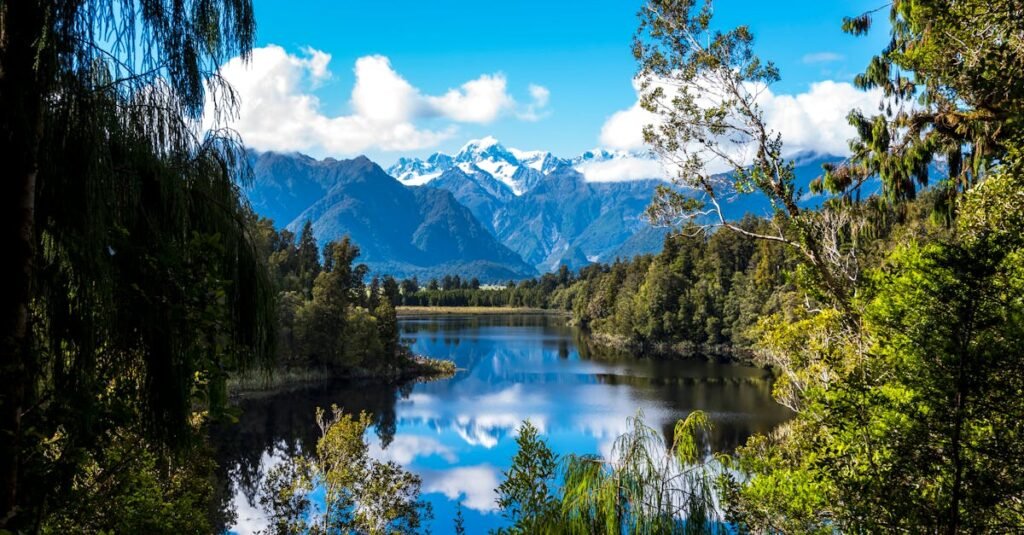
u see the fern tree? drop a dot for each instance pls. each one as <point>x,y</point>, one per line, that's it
<point>133,285</point>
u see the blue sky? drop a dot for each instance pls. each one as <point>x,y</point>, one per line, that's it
<point>578,51</point>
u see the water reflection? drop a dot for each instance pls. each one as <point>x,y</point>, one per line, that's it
<point>458,434</point>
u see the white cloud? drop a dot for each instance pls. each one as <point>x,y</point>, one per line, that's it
<point>536,109</point>
<point>380,94</point>
<point>822,57</point>
<point>622,169</point>
<point>624,129</point>
<point>816,120</point>
<point>477,101</point>
<point>403,449</point>
<point>811,121</point>
<point>278,110</point>
<point>540,94</point>
<point>475,483</point>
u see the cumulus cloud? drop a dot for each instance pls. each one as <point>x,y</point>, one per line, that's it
<point>279,111</point>
<point>816,120</point>
<point>812,121</point>
<point>477,101</point>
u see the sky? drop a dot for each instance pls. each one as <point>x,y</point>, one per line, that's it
<point>408,78</point>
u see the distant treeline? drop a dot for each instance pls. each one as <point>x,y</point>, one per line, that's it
<point>705,291</point>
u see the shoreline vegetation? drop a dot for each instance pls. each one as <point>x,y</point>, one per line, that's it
<point>407,311</point>
<point>257,383</point>
<point>722,353</point>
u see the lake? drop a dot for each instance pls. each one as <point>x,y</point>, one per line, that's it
<point>458,434</point>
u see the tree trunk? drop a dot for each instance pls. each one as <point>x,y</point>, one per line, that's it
<point>21,101</point>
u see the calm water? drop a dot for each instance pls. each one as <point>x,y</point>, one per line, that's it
<point>458,434</point>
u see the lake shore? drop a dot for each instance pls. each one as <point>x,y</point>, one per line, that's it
<point>440,311</point>
<point>258,383</point>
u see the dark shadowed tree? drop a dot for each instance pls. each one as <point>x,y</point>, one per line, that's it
<point>133,283</point>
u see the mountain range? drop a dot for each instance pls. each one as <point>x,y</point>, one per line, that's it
<point>487,211</point>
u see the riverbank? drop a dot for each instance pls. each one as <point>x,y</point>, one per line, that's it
<point>438,311</point>
<point>416,368</point>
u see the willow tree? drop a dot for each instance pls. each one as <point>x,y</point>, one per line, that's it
<point>642,487</point>
<point>132,285</point>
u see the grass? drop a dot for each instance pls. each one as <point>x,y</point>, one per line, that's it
<point>427,311</point>
<point>261,381</point>
<point>414,367</point>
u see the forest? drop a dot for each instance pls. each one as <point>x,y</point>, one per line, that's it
<point>328,321</point>
<point>140,284</point>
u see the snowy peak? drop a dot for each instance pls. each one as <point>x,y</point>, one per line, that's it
<point>521,170</point>
<point>518,169</point>
<point>487,148</point>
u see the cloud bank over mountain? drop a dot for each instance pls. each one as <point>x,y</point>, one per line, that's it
<point>813,121</point>
<point>278,109</point>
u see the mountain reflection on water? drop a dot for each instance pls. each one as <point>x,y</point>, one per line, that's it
<point>458,434</point>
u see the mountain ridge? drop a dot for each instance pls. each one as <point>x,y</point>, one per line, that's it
<point>506,211</point>
<point>400,230</point>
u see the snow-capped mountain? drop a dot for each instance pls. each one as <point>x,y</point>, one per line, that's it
<point>489,210</point>
<point>520,170</point>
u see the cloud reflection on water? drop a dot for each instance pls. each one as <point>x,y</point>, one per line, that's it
<point>459,434</point>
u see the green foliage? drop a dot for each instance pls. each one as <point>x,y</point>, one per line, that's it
<point>704,85</point>
<point>131,486</point>
<point>909,421</point>
<point>327,317</point>
<point>644,488</point>
<point>952,92</point>
<point>361,495</point>
<point>459,521</point>
<point>525,497</point>
<point>135,285</point>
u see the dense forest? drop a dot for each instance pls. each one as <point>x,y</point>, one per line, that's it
<point>893,314</point>
<point>327,318</point>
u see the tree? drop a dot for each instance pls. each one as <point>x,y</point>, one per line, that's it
<point>526,496</point>
<point>704,86</point>
<point>360,340</point>
<point>392,291</point>
<point>308,257</point>
<point>409,288</point>
<point>388,331</point>
<point>459,520</point>
<point>909,422</point>
<point>643,488</point>
<point>122,228</point>
<point>361,494</point>
<point>333,329</point>
<point>962,107</point>
<point>373,293</point>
